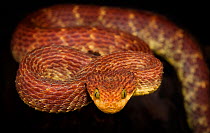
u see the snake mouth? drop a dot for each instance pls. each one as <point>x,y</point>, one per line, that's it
<point>110,110</point>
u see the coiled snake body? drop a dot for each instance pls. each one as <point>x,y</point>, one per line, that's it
<point>62,67</point>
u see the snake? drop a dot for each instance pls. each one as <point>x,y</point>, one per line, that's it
<point>71,55</point>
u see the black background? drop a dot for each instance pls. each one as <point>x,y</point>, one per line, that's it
<point>161,111</point>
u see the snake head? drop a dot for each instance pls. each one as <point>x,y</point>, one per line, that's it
<point>110,91</point>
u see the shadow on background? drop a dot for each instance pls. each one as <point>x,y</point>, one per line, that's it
<point>161,111</point>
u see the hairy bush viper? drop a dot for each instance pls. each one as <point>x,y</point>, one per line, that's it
<point>69,53</point>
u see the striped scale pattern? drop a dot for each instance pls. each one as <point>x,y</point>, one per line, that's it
<point>49,25</point>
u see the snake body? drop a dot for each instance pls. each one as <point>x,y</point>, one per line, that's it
<point>62,69</point>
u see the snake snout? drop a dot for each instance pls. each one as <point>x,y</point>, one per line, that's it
<point>110,108</point>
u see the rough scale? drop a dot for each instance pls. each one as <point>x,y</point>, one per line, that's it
<point>58,25</point>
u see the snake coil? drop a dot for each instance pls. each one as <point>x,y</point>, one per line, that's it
<point>71,53</point>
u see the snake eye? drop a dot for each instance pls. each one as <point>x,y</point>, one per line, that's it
<point>96,93</point>
<point>123,94</point>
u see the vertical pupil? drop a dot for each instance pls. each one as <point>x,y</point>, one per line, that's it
<point>96,93</point>
<point>123,94</point>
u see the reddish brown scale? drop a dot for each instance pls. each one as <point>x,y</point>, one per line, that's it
<point>99,40</point>
<point>44,28</point>
<point>44,92</point>
<point>146,69</point>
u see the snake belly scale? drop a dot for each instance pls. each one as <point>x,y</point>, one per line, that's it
<point>70,54</point>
